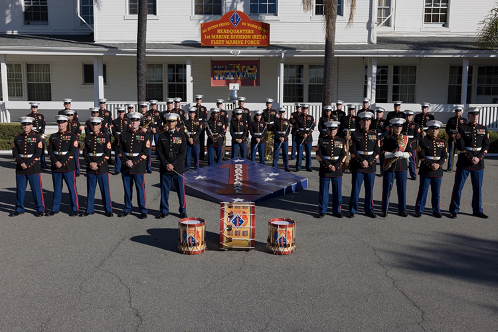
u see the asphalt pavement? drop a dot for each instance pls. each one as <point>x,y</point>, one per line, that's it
<point>95,273</point>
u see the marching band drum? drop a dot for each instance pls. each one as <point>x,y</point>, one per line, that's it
<point>237,225</point>
<point>281,236</point>
<point>191,236</point>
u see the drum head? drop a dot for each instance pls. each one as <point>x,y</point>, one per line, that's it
<point>192,222</point>
<point>282,222</point>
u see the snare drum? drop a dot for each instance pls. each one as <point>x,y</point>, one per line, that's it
<point>191,235</point>
<point>237,225</point>
<point>281,236</point>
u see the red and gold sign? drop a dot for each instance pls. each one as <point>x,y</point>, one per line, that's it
<point>245,73</point>
<point>235,28</point>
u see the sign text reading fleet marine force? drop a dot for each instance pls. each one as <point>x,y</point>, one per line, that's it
<point>235,28</point>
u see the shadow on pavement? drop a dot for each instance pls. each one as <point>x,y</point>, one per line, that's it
<point>455,256</point>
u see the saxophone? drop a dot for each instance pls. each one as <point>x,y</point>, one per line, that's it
<point>345,166</point>
<point>269,140</point>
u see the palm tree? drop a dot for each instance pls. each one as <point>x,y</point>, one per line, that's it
<point>141,50</point>
<point>487,37</point>
<point>330,16</point>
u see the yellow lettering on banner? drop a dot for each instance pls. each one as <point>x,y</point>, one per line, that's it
<point>217,42</point>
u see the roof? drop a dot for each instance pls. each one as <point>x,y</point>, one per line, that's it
<point>386,46</point>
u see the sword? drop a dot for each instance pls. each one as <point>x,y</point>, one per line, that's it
<point>280,144</point>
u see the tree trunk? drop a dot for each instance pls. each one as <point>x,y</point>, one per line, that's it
<point>141,50</point>
<point>330,15</point>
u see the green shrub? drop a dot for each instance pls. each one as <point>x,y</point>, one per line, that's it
<point>6,144</point>
<point>9,130</point>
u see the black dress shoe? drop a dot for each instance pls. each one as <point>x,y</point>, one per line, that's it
<point>142,216</point>
<point>297,170</point>
<point>287,170</point>
<point>15,214</point>
<point>309,170</point>
<point>183,215</point>
<point>124,214</point>
<point>78,175</point>
<point>371,215</point>
<point>108,214</point>
<point>384,214</point>
<point>402,214</point>
<point>162,215</point>
<point>378,174</point>
<point>320,215</point>
<point>39,214</point>
<point>350,215</point>
<point>86,214</point>
<point>413,179</point>
<point>338,215</point>
<point>418,214</point>
<point>115,173</point>
<point>149,171</point>
<point>51,213</point>
<point>74,213</point>
<point>292,158</point>
<point>480,215</point>
<point>437,215</point>
<point>453,215</point>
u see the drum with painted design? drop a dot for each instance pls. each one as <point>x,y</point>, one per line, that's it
<point>237,225</point>
<point>191,236</point>
<point>281,236</point>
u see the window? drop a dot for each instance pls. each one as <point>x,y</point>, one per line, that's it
<point>404,82</point>
<point>35,12</point>
<point>86,10</point>
<point>14,80</point>
<point>88,74</point>
<point>455,85</point>
<point>264,7</point>
<point>383,12</point>
<point>133,7</point>
<point>436,11</point>
<point>207,7</point>
<point>154,82</point>
<point>319,7</point>
<point>38,79</point>
<point>293,83</point>
<point>487,81</point>
<point>315,83</point>
<point>177,81</point>
<point>381,85</point>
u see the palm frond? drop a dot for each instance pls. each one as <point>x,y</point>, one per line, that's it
<point>352,6</point>
<point>487,36</point>
<point>308,5</point>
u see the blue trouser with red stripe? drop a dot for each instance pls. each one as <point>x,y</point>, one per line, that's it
<point>294,146</point>
<point>118,162</point>
<point>139,180</point>
<point>261,152</point>
<point>155,138</point>
<point>91,184</point>
<point>423,190</point>
<point>179,182</point>
<point>460,178</point>
<point>192,150</point>
<point>77,159</point>
<point>412,165</point>
<point>70,180</point>
<point>43,162</point>
<point>36,189</point>
<point>235,149</point>
<point>299,161</point>
<point>357,178</point>
<point>149,160</point>
<point>219,155</point>
<point>284,146</point>
<point>388,184</point>
<point>323,196</point>
<point>451,154</point>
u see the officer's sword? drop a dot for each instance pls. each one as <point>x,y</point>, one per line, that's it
<point>280,144</point>
<point>262,135</point>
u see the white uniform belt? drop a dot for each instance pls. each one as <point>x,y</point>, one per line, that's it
<point>329,157</point>
<point>95,154</point>
<point>191,132</point>
<point>118,132</point>
<point>409,136</point>
<point>131,154</point>
<point>90,132</point>
<point>281,132</point>
<point>473,149</point>
<point>271,122</point>
<point>238,132</point>
<point>60,153</point>
<point>368,153</point>
<point>25,155</point>
<point>258,134</point>
<point>380,134</point>
<point>301,128</point>
<point>345,129</point>
<point>432,158</point>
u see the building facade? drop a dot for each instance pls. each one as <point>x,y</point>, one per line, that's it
<point>412,51</point>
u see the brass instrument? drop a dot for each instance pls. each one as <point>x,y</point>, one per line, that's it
<point>401,147</point>
<point>345,165</point>
<point>269,148</point>
<point>455,150</point>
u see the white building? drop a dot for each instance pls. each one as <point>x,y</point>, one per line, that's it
<point>414,51</point>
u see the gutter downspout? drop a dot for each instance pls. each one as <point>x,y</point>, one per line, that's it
<point>79,15</point>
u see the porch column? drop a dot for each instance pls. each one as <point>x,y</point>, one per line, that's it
<point>190,81</point>
<point>98,78</point>
<point>465,80</point>
<point>371,79</point>
<point>280,81</point>
<point>3,69</point>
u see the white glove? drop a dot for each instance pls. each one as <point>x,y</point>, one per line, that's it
<point>389,155</point>
<point>406,155</point>
<point>398,154</point>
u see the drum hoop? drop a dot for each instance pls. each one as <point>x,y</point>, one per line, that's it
<point>201,222</point>
<point>291,224</point>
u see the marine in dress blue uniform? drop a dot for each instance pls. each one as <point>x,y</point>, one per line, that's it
<point>338,113</point>
<point>281,130</point>
<point>365,106</point>
<point>304,124</point>
<point>172,151</point>
<point>396,113</point>
<point>62,149</point>
<point>39,128</point>
<point>432,155</point>
<point>226,121</point>
<point>215,129</point>
<point>96,153</point>
<point>238,131</point>
<point>331,154</point>
<point>147,125</point>
<point>27,149</point>
<point>380,126</point>
<point>258,129</point>
<point>395,149</point>
<point>412,131</point>
<point>156,116</point>
<point>201,115</point>
<point>473,144</point>
<point>192,130</point>
<point>119,125</point>
<point>452,127</point>
<point>133,148</point>
<point>292,118</point>
<point>326,117</point>
<point>364,149</point>
<point>106,116</point>
<point>74,127</point>
<point>423,117</point>
<point>67,102</point>
<point>178,110</point>
<point>349,124</point>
